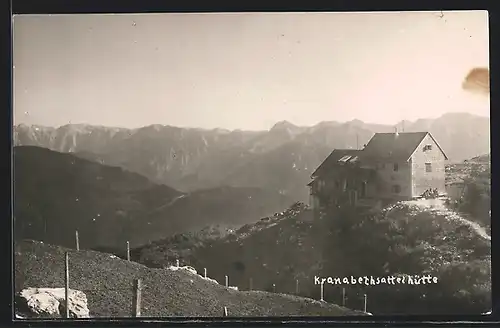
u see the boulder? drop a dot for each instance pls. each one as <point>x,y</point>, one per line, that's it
<point>186,268</point>
<point>50,302</point>
<point>210,279</point>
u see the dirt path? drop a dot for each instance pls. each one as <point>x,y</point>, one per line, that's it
<point>172,202</point>
<point>438,206</point>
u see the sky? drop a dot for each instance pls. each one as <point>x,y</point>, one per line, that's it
<point>245,70</point>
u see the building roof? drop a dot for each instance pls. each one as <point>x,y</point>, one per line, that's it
<point>336,156</point>
<point>400,146</point>
<point>382,146</point>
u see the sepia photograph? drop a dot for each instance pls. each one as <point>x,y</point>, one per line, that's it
<point>285,164</point>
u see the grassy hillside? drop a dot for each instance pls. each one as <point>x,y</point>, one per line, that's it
<point>474,177</point>
<point>107,282</point>
<point>416,239</point>
<point>57,193</point>
<point>408,238</point>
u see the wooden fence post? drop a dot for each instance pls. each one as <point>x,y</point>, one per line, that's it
<point>224,314</point>
<point>365,301</point>
<point>227,281</point>
<point>343,296</point>
<point>274,288</point>
<point>321,286</point>
<point>177,262</point>
<point>77,240</point>
<point>128,250</point>
<point>297,286</point>
<point>66,283</point>
<point>205,272</point>
<point>136,301</point>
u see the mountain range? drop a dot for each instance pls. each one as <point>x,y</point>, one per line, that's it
<point>56,194</point>
<point>279,160</point>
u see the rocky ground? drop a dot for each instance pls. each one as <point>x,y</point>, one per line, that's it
<point>477,167</point>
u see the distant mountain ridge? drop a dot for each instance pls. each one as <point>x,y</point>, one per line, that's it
<point>280,159</point>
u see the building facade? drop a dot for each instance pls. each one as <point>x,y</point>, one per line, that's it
<point>392,166</point>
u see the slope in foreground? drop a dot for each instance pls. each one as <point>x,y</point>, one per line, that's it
<point>107,282</point>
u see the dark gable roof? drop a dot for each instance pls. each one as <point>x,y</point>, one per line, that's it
<point>333,158</point>
<point>382,146</point>
<point>389,145</point>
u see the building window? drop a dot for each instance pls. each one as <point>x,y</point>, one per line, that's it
<point>427,147</point>
<point>396,167</point>
<point>428,167</point>
<point>396,189</point>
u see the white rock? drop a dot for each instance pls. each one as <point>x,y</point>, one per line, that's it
<point>187,268</point>
<point>42,304</point>
<point>50,301</point>
<point>233,287</point>
<point>210,279</point>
